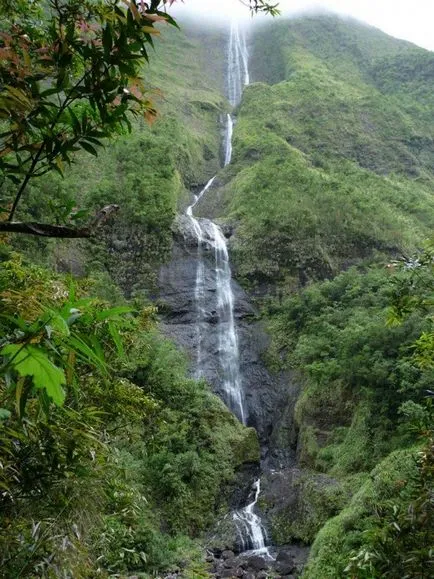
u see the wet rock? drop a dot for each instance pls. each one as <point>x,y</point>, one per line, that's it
<point>285,563</point>
<point>262,575</point>
<point>264,392</point>
<point>228,573</point>
<point>230,563</point>
<point>295,503</point>
<point>224,537</point>
<point>209,558</point>
<point>228,554</point>
<point>257,563</point>
<point>240,572</point>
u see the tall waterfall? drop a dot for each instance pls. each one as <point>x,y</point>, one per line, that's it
<point>210,237</point>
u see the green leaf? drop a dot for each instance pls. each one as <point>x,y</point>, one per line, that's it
<point>113,312</point>
<point>117,339</point>
<point>31,361</point>
<point>89,148</point>
<point>4,414</point>
<point>57,323</point>
<point>86,353</point>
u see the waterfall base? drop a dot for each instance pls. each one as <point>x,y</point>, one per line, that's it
<point>256,565</point>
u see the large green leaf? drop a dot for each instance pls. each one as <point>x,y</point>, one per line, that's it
<point>31,361</point>
<point>113,312</point>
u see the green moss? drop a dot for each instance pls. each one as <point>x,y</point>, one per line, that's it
<point>247,449</point>
<point>319,499</point>
<point>344,534</point>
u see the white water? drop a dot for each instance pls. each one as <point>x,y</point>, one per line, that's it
<point>199,288</point>
<point>238,59</point>
<point>250,530</point>
<point>228,139</point>
<point>209,235</point>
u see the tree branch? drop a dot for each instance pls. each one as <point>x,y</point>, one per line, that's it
<point>61,231</point>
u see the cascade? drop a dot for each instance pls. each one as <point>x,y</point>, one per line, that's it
<point>210,237</point>
<point>250,529</point>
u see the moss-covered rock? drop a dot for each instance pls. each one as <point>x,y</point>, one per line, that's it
<point>297,503</point>
<point>344,535</point>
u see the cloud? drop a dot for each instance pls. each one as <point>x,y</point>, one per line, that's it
<point>409,19</point>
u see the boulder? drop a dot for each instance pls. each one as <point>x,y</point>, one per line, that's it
<point>257,563</point>
<point>228,573</point>
<point>228,554</point>
<point>285,563</point>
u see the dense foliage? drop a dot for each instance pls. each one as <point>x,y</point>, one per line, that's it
<point>105,441</point>
<point>112,459</point>
<point>362,344</point>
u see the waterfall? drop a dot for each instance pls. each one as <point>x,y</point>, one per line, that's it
<point>228,139</point>
<point>210,237</point>
<point>199,288</point>
<point>228,341</point>
<point>250,530</point>
<point>238,70</point>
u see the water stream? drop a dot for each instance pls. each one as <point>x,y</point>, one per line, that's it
<point>251,532</point>
<point>211,240</point>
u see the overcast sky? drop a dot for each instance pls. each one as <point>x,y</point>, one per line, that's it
<point>409,19</point>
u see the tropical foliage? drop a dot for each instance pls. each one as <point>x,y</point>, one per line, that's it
<point>104,439</point>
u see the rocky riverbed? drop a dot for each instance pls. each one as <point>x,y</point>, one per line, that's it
<point>286,563</point>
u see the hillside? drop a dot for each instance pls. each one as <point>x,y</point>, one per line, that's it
<point>331,164</point>
<point>152,168</point>
<point>332,179</point>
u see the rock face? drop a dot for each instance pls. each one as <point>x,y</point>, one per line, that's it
<point>297,503</point>
<point>264,393</point>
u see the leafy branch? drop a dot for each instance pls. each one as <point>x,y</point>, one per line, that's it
<point>69,78</point>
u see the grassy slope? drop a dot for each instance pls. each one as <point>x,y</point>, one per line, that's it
<point>333,160</point>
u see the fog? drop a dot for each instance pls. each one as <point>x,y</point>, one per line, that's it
<point>411,20</point>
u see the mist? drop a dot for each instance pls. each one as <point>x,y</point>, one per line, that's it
<point>409,20</point>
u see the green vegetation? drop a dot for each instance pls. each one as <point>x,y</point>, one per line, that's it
<point>329,167</point>
<point>112,459</point>
<point>363,344</point>
<point>147,173</point>
<point>331,181</point>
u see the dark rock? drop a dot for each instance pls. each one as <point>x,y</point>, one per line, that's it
<point>228,573</point>
<point>228,554</point>
<point>262,575</point>
<point>240,572</point>
<point>294,502</point>
<point>257,563</point>
<point>285,563</point>
<point>209,559</point>
<point>230,563</point>
<point>264,392</point>
<point>249,576</point>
